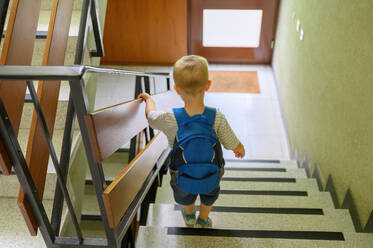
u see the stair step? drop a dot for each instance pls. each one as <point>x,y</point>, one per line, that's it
<point>14,232</point>
<point>112,166</point>
<point>272,169</point>
<point>9,186</point>
<point>313,200</point>
<point>315,211</point>
<point>309,185</point>
<point>44,19</point>
<point>157,237</point>
<point>305,184</point>
<point>290,173</point>
<point>47,4</point>
<point>262,164</point>
<point>332,220</point>
<point>92,229</point>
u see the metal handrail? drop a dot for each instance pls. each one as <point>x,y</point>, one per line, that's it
<point>46,73</point>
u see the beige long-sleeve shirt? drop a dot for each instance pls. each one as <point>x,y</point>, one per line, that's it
<point>165,121</point>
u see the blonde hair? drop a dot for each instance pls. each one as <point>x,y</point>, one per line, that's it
<point>191,74</point>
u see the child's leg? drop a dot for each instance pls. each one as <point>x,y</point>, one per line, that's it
<point>189,209</point>
<point>204,211</point>
<point>206,203</point>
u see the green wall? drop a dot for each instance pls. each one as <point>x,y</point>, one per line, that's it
<point>326,90</point>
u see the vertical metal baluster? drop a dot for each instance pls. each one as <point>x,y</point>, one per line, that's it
<point>81,105</point>
<point>64,164</point>
<point>82,36</point>
<point>138,90</point>
<point>61,179</point>
<point>168,83</point>
<point>147,90</point>
<point>96,32</point>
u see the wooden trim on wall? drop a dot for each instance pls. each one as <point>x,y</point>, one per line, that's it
<point>37,155</point>
<point>122,191</point>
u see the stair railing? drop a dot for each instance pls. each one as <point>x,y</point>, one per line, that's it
<point>128,120</point>
<point>88,10</point>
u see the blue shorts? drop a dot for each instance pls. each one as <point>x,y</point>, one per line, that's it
<point>184,198</point>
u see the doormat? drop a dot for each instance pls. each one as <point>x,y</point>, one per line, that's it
<point>234,81</point>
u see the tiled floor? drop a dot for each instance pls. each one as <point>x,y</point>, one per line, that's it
<point>256,118</point>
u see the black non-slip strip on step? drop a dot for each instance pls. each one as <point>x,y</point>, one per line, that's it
<point>260,179</point>
<point>255,169</point>
<point>264,192</point>
<point>310,235</point>
<point>307,211</point>
<point>91,217</point>
<point>253,161</point>
<point>90,182</point>
<point>39,34</point>
<point>123,150</point>
<point>28,98</point>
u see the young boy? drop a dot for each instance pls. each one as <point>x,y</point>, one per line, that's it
<point>191,81</point>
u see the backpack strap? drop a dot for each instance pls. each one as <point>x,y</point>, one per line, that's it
<point>181,116</point>
<point>210,114</point>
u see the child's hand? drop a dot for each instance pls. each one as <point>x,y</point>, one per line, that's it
<point>239,151</point>
<point>150,105</point>
<point>144,96</point>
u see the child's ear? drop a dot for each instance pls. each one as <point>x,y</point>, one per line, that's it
<point>177,89</point>
<point>208,85</point>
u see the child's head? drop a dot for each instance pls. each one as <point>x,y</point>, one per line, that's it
<point>191,74</point>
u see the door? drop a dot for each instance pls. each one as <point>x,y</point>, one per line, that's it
<point>233,31</point>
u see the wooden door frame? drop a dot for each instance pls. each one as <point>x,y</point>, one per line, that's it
<point>260,55</point>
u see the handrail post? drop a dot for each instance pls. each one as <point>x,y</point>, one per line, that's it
<point>147,90</point>
<point>81,105</point>
<point>82,36</point>
<point>64,163</point>
<point>96,32</point>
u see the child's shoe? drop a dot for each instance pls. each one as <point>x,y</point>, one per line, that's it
<point>189,219</point>
<point>201,223</point>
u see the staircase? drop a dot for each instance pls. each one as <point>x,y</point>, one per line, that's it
<point>261,204</point>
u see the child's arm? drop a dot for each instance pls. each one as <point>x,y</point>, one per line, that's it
<point>150,105</point>
<point>239,151</point>
<point>227,137</point>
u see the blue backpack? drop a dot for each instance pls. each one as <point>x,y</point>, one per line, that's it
<point>196,155</point>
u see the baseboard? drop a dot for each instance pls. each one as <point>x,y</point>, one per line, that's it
<point>369,225</point>
<point>282,113</point>
<point>331,189</point>
<point>306,166</point>
<point>348,203</point>
<point>296,157</point>
<point>317,175</point>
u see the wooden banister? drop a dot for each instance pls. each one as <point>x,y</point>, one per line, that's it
<point>17,50</point>
<point>114,126</point>
<point>37,154</point>
<point>122,191</point>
